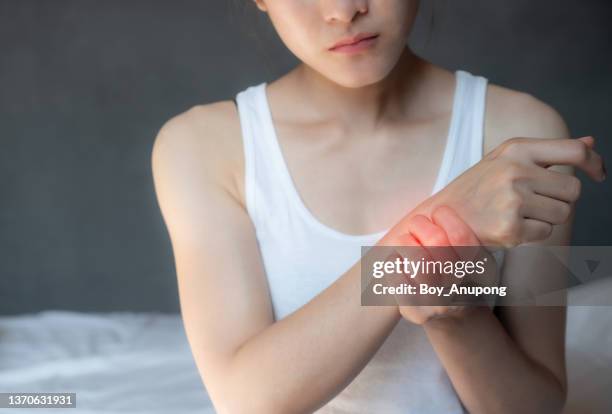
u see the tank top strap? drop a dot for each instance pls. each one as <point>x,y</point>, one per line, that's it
<point>475,109</point>
<point>467,134</point>
<point>263,165</point>
<point>249,125</point>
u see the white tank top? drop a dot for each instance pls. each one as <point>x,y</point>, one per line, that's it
<point>405,375</point>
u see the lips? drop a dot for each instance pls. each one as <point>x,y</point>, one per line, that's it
<point>353,40</point>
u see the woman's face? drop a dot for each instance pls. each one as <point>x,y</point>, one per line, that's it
<point>311,29</point>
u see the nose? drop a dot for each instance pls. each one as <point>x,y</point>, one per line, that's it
<point>344,11</point>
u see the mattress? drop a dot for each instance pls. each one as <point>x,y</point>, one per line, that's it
<point>114,362</point>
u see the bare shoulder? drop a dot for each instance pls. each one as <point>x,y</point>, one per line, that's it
<point>511,113</point>
<point>205,142</point>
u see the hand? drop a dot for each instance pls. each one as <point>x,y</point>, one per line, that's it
<point>510,197</point>
<point>445,229</point>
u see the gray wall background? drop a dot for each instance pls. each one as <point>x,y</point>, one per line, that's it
<point>86,84</point>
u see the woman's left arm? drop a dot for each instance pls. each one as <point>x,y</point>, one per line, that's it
<point>515,361</point>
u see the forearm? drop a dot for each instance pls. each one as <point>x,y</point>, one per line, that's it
<point>300,362</point>
<point>488,370</point>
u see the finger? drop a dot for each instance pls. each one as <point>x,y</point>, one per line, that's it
<point>590,141</point>
<point>406,239</point>
<point>465,242</point>
<point>414,251</point>
<point>546,209</point>
<point>460,235</point>
<point>427,233</point>
<point>407,246</point>
<point>576,152</point>
<point>534,230</point>
<point>432,237</point>
<point>554,184</point>
<point>391,253</point>
<point>457,231</point>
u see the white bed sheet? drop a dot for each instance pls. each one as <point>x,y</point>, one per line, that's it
<point>141,363</point>
<point>115,362</point>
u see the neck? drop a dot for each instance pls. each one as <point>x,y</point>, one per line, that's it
<point>366,106</point>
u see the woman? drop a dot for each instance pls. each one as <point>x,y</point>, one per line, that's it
<point>268,199</point>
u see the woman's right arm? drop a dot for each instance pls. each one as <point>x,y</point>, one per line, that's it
<point>249,362</point>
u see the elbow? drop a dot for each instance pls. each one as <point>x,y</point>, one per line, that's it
<point>243,389</point>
